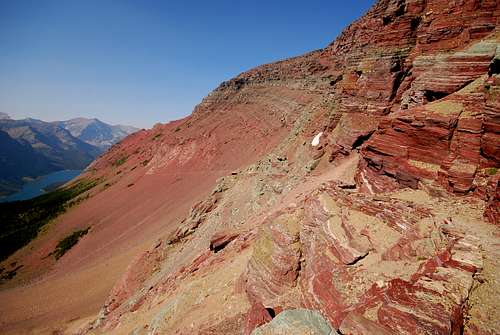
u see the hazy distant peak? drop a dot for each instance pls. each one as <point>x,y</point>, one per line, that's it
<point>81,119</point>
<point>4,116</point>
<point>96,132</point>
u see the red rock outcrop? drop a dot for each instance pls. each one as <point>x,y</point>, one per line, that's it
<point>220,240</point>
<point>356,324</point>
<point>359,179</point>
<point>257,316</point>
<point>415,91</point>
<point>276,257</point>
<point>492,197</point>
<point>384,265</point>
<point>446,141</point>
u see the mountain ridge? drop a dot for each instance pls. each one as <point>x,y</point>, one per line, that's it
<point>96,132</point>
<point>352,189</point>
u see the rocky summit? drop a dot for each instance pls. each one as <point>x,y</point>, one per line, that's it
<point>351,190</point>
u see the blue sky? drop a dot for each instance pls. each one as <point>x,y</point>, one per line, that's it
<point>139,62</point>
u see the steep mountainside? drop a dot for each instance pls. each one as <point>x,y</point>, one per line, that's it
<point>353,189</point>
<point>13,158</point>
<point>96,132</point>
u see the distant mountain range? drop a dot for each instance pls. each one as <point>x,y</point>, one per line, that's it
<point>96,132</point>
<point>4,116</point>
<point>31,148</point>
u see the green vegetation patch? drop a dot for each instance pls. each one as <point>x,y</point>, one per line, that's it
<point>491,171</point>
<point>120,161</point>
<point>21,221</point>
<point>69,242</point>
<point>9,274</point>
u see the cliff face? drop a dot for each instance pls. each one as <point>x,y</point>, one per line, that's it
<point>356,189</point>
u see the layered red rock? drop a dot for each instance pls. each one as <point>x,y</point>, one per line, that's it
<point>276,257</point>
<point>412,86</point>
<point>443,141</point>
<point>257,316</point>
<point>356,324</point>
<point>492,197</point>
<point>375,264</point>
<point>413,89</point>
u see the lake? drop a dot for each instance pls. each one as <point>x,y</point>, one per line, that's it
<point>37,187</point>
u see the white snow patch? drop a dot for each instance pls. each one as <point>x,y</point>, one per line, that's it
<point>315,141</point>
<point>365,181</point>
<point>402,226</point>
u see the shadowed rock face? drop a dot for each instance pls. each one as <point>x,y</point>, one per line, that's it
<point>383,226</point>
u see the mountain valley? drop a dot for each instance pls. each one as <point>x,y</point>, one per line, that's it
<point>351,190</point>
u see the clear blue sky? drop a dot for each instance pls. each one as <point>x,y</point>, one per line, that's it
<point>139,62</point>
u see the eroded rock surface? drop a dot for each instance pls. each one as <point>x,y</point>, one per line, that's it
<point>305,241</point>
<point>359,189</point>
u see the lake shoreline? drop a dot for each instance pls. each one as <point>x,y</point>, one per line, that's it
<point>41,185</point>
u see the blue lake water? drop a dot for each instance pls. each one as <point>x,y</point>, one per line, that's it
<point>35,188</point>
